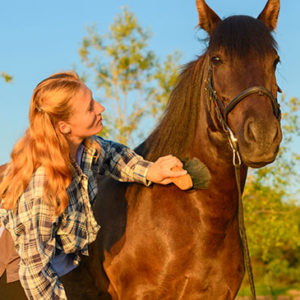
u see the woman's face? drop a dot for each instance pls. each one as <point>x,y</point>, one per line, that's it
<point>86,119</point>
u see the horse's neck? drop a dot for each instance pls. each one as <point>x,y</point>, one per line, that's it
<point>220,201</point>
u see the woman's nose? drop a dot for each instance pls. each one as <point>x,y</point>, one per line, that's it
<point>100,108</point>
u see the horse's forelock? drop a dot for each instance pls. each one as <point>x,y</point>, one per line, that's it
<point>240,35</point>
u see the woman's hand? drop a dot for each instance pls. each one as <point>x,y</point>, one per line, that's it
<point>160,171</point>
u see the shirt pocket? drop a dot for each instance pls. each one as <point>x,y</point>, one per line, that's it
<point>19,230</point>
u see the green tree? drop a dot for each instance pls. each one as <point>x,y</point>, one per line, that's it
<point>272,210</point>
<point>129,79</point>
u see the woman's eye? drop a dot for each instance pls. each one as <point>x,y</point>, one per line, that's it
<point>92,106</point>
<point>216,60</point>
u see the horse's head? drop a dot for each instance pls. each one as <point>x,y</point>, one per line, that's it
<point>241,84</point>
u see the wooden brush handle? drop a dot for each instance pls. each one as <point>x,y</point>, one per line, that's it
<point>184,182</point>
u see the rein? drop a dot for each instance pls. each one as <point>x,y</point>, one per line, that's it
<point>222,115</point>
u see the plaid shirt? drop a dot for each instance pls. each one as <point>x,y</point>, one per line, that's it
<point>39,234</point>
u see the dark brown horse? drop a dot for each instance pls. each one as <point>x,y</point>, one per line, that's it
<point>163,243</point>
<point>160,242</point>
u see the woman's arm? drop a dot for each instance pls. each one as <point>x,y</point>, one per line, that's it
<point>36,249</point>
<point>124,164</point>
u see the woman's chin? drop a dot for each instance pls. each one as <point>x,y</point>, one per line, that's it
<point>99,128</point>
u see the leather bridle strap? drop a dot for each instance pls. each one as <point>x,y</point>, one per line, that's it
<point>242,230</point>
<point>225,110</point>
<point>252,90</point>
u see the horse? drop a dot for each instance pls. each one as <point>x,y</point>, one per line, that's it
<point>159,242</point>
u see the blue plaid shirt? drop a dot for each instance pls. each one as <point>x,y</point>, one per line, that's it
<point>39,235</point>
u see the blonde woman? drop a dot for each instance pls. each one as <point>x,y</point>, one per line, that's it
<point>49,185</point>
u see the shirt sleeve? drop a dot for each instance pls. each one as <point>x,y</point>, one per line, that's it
<point>37,277</point>
<point>122,163</point>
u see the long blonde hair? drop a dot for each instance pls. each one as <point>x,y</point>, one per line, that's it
<point>43,144</point>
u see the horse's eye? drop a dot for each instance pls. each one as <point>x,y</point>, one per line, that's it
<point>216,60</point>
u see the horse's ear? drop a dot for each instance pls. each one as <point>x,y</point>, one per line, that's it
<point>208,19</point>
<point>270,13</point>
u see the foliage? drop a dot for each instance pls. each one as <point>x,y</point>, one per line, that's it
<point>272,212</point>
<point>273,228</point>
<point>130,81</point>
<point>7,77</point>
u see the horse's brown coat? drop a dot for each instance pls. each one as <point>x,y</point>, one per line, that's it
<point>163,243</point>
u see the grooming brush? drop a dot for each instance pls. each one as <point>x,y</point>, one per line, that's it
<point>198,176</point>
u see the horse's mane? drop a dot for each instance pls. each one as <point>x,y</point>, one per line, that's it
<point>176,130</point>
<point>237,36</point>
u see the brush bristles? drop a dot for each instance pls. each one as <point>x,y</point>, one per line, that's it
<point>199,173</point>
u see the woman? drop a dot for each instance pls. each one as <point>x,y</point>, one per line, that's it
<point>49,185</point>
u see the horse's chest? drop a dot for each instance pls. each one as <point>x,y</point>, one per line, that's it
<point>174,248</point>
<point>177,227</point>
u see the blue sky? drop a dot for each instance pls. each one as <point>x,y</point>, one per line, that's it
<point>39,38</point>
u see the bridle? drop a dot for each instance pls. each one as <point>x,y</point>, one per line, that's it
<point>222,113</point>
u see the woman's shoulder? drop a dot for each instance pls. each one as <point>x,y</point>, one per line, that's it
<point>98,139</point>
<point>98,146</point>
<point>108,144</point>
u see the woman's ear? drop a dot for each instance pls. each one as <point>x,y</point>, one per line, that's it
<point>64,127</point>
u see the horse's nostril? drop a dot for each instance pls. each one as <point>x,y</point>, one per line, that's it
<point>249,131</point>
<point>262,132</point>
